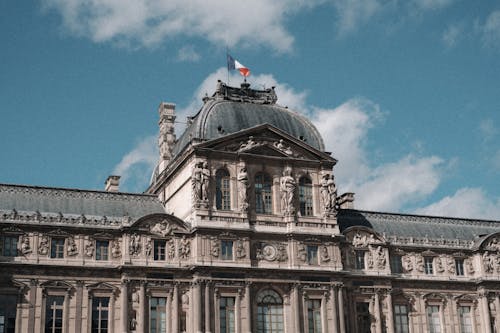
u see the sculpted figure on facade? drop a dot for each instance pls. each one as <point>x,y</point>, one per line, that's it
<point>282,253</point>
<point>89,249</point>
<point>171,248</point>
<point>301,252</point>
<point>282,147</point>
<point>72,249</point>
<point>325,257</point>
<point>359,240</point>
<point>450,264</point>
<point>488,263</point>
<point>200,182</point>
<point>163,228</point>
<point>407,263</point>
<point>184,248</point>
<point>149,247</point>
<point>272,252</point>
<point>249,144</point>
<point>381,258</point>
<point>134,248</point>
<point>116,251</point>
<point>439,265</point>
<point>243,185</point>
<point>25,246</point>
<point>469,266</point>
<point>370,257</point>
<point>240,249</point>
<point>287,188</point>
<point>43,246</point>
<point>215,250</point>
<point>419,263</point>
<point>328,194</point>
<point>494,244</point>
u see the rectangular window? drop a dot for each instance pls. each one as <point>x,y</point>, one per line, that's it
<point>157,315</point>
<point>226,249</point>
<point>100,309</point>
<point>359,259</point>
<point>401,318</point>
<point>465,319</point>
<point>226,311</point>
<point>428,268</point>
<point>225,189</point>
<point>314,315</point>
<point>433,320</point>
<point>459,267</point>
<point>8,245</point>
<point>312,254</point>
<point>159,249</point>
<point>101,249</point>
<point>57,248</point>
<point>396,264</point>
<point>54,314</point>
<point>8,304</point>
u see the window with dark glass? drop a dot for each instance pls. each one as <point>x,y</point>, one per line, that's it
<point>159,246</point>
<point>465,319</point>
<point>100,310</point>
<point>226,313</point>
<point>226,252</point>
<point>222,190</point>
<point>57,248</point>
<point>54,314</point>
<point>269,312</point>
<point>459,267</point>
<point>101,250</point>
<point>8,245</point>
<point>433,320</point>
<point>396,264</point>
<point>314,315</point>
<point>359,260</point>
<point>263,194</point>
<point>305,196</point>
<point>363,317</point>
<point>428,265</point>
<point>312,254</point>
<point>401,318</point>
<point>157,315</point>
<point>8,304</point>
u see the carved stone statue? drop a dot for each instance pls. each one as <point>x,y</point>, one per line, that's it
<point>488,263</point>
<point>287,187</point>
<point>469,266</point>
<point>205,181</point>
<point>450,265</point>
<point>419,262</point>
<point>381,258</point>
<point>89,249</point>
<point>134,248</point>
<point>240,249</point>
<point>248,145</point>
<point>149,247</point>
<point>370,260</point>
<point>163,228</point>
<point>171,248</point>
<point>215,247</point>
<point>281,146</point>
<point>301,252</point>
<point>43,247</point>
<point>359,240</point>
<point>407,263</point>
<point>116,251</point>
<point>184,248</point>
<point>25,245</point>
<point>329,194</point>
<point>325,257</point>
<point>439,265</point>
<point>243,185</point>
<point>200,181</point>
<point>72,249</point>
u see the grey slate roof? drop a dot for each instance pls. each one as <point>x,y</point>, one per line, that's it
<point>78,202</point>
<point>402,225</point>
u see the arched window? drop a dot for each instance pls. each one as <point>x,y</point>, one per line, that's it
<point>305,196</point>
<point>263,194</point>
<point>222,190</point>
<point>269,312</point>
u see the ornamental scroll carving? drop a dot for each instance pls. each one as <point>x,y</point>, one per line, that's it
<point>287,188</point>
<point>407,263</point>
<point>272,252</point>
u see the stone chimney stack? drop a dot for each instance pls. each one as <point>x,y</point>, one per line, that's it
<point>112,184</point>
<point>166,138</point>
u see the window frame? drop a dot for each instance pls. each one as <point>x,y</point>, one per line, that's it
<point>465,327</point>
<point>158,255</point>
<point>401,319</point>
<point>160,314</point>
<point>270,312</point>
<point>432,316</point>
<point>314,317</point>
<point>312,254</point>
<point>227,324</point>
<point>101,317</point>
<point>459,267</point>
<point>306,207</point>
<point>429,265</point>
<point>13,245</point>
<point>396,263</point>
<point>360,259</point>
<point>263,190</point>
<point>99,256</point>
<point>222,189</point>
<point>53,309</point>
<point>226,249</point>
<point>57,246</point>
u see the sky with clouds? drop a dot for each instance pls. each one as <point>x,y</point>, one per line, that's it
<point>405,93</point>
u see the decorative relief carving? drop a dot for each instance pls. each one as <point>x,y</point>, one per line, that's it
<point>171,248</point>
<point>43,246</point>
<point>272,252</point>
<point>89,249</point>
<point>450,265</point>
<point>215,247</point>
<point>149,247</point>
<point>163,228</point>
<point>493,244</point>
<point>249,144</point>
<point>287,188</point>
<point>439,264</point>
<point>363,239</point>
<point>71,248</point>
<point>281,146</point>
<point>488,262</point>
<point>25,245</point>
<point>199,182</point>
<point>184,248</point>
<point>116,251</point>
<point>301,252</point>
<point>325,257</point>
<point>240,249</point>
<point>134,248</point>
<point>407,263</point>
<point>243,185</point>
<point>329,194</point>
<point>419,263</point>
<point>469,266</point>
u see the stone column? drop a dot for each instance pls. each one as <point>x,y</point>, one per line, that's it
<point>19,309</point>
<point>78,310</point>
<point>485,311</point>
<point>124,306</point>
<point>32,306</point>
<point>248,304</point>
<point>208,313</point>
<point>341,309</point>
<point>324,315</point>
<point>216,310</point>
<point>390,312</point>
<point>335,319</point>
<point>67,299</point>
<point>111,312</point>
<point>237,311</point>
<point>168,314</point>
<point>497,314</point>
<point>175,309</point>
<point>196,307</point>
<point>142,322</point>
<point>296,307</point>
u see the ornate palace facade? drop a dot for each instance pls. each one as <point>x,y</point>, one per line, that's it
<point>241,230</point>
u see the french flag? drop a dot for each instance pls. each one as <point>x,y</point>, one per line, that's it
<point>235,64</point>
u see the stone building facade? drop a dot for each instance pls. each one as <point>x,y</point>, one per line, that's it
<point>241,230</point>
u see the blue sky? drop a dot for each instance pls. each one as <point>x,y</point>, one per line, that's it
<point>406,93</point>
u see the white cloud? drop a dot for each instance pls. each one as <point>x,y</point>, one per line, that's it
<point>490,30</point>
<point>432,4</point>
<point>149,22</point>
<point>467,203</point>
<point>451,35</point>
<point>188,53</point>
<point>487,129</point>
<point>136,166</point>
<point>353,13</point>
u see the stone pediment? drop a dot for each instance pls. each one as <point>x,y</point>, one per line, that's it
<point>162,225</point>
<point>266,140</point>
<point>363,237</point>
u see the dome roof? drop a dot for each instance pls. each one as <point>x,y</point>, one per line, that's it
<point>231,110</point>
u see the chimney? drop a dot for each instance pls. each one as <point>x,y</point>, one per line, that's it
<point>346,200</point>
<point>112,184</point>
<point>166,138</point>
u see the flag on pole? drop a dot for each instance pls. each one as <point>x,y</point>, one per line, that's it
<point>235,64</point>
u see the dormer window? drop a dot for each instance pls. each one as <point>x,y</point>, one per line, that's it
<point>222,190</point>
<point>263,194</point>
